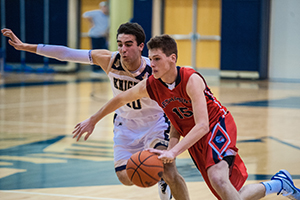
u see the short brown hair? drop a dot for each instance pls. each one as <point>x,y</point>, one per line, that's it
<point>164,42</point>
<point>133,29</point>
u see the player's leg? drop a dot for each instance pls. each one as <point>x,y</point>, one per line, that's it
<point>121,156</point>
<point>123,178</point>
<point>223,169</point>
<point>281,184</point>
<point>122,175</point>
<point>173,180</point>
<point>127,142</point>
<point>176,182</point>
<point>164,190</point>
<point>252,191</point>
<point>157,138</point>
<point>124,147</point>
<point>218,175</point>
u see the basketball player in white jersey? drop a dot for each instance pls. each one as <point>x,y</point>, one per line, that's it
<point>138,125</point>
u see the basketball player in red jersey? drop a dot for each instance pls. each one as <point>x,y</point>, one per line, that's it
<point>208,128</point>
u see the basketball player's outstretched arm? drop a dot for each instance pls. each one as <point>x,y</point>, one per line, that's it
<point>87,126</point>
<point>59,52</point>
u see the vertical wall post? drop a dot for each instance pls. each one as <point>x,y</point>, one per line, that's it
<point>194,33</point>
<point>46,30</point>
<point>3,40</point>
<point>119,12</point>
<point>22,34</point>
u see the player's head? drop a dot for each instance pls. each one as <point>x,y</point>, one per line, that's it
<point>133,29</point>
<point>164,42</point>
<point>162,55</point>
<point>130,39</point>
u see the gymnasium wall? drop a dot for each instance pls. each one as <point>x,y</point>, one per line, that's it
<point>245,36</point>
<point>283,48</point>
<point>142,14</point>
<point>34,24</point>
<point>284,55</point>
<point>178,20</point>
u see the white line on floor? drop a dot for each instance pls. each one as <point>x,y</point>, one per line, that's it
<point>57,195</point>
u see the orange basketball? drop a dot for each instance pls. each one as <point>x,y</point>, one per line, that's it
<point>144,169</point>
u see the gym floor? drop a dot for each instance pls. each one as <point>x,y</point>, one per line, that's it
<point>40,160</point>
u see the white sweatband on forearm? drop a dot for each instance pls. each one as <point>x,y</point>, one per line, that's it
<point>63,53</point>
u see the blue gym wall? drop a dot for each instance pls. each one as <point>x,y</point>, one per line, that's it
<point>245,35</point>
<point>244,31</point>
<point>142,14</point>
<point>34,26</point>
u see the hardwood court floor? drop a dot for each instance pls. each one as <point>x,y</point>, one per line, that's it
<point>40,160</point>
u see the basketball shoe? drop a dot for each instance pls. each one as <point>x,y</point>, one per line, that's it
<point>288,188</point>
<point>164,190</point>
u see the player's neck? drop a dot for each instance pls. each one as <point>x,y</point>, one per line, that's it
<point>170,76</point>
<point>133,66</point>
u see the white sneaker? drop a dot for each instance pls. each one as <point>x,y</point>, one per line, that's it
<point>288,188</point>
<point>164,190</point>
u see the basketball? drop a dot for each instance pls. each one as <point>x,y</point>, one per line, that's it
<point>144,169</point>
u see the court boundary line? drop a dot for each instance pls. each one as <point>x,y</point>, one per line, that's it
<point>260,139</point>
<point>57,195</point>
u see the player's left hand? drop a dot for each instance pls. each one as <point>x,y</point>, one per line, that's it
<point>14,40</point>
<point>87,126</point>
<point>165,155</point>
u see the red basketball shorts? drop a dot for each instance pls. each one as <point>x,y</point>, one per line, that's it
<point>214,146</point>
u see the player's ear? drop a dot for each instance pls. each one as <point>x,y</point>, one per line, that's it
<point>141,46</point>
<point>173,57</point>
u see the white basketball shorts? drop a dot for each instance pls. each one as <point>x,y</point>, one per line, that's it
<point>133,135</point>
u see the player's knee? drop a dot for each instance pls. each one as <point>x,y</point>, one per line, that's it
<point>217,177</point>
<point>123,178</point>
<point>220,183</point>
<point>217,181</point>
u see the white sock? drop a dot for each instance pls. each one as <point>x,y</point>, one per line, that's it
<point>273,186</point>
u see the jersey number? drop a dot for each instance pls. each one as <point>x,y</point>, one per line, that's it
<point>182,112</point>
<point>135,104</point>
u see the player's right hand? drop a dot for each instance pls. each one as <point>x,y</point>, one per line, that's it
<point>166,156</point>
<point>14,40</point>
<point>87,126</point>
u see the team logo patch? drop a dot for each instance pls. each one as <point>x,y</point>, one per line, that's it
<point>219,140</point>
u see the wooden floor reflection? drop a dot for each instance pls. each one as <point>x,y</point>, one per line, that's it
<point>40,160</point>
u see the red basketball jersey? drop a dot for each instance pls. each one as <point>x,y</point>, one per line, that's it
<point>212,147</point>
<point>178,102</point>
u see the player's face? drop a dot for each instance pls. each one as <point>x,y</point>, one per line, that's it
<point>161,64</point>
<point>129,50</point>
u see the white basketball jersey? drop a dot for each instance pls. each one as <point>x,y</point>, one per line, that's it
<point>121,80</point>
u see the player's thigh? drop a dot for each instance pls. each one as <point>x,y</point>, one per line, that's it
<point>219,173</point>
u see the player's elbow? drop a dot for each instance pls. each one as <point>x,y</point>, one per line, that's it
<point>206,128</point>
<point>120,100</point>
<point>203,127</point>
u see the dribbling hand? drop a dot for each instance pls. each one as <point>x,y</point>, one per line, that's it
<point>164,155</point>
